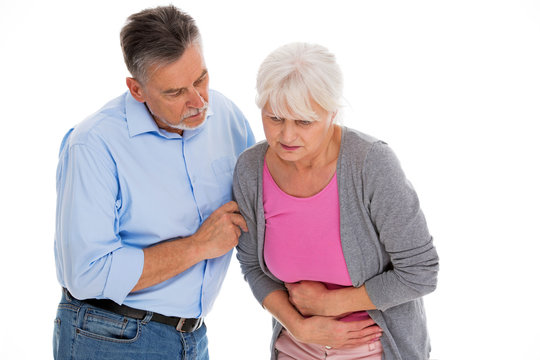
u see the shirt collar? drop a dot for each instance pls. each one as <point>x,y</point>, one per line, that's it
<point>140,121</point>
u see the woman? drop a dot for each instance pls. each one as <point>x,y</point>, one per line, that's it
<point>338,250</point>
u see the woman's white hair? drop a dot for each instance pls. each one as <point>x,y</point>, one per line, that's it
<point>294,74</point>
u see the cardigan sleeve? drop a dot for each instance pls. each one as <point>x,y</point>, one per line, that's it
<point>245,189</point>
<point>395,211</point>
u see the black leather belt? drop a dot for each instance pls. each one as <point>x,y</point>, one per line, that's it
<point>180,324</point>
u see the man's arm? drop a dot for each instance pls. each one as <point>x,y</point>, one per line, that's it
<point>216,236</point>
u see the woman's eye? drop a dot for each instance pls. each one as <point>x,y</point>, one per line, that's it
<point>304,122</point>
<point>275,118</point>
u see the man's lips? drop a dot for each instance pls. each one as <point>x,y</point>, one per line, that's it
<point>193,116</point>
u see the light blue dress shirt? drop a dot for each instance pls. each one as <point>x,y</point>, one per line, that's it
<point>124,184</point>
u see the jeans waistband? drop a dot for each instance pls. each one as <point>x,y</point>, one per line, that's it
<point>181,324</point>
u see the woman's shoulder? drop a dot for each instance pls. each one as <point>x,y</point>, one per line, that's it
<point>358,145</point>
<point>362,151</point>
<point>252,158</point>
<point>355,139</point>
<point>254,153</point>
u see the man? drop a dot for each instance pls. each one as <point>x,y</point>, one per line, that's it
<point>145,222</point>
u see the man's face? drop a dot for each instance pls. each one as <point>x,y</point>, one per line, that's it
<point>176,94</point>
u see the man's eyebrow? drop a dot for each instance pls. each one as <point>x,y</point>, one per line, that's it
<point>203,74</point>
<point>174,91</point>
<point>182,90</point>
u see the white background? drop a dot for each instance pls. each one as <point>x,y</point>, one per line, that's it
<point>452,86</point>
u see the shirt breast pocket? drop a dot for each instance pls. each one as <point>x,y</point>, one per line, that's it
<point>223,169</point>
<point>224,166</point>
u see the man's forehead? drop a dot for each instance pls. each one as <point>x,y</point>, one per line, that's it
<point>180,87</point>
<point>177,75</point>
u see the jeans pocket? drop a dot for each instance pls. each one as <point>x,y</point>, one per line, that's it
<point>108,326</point>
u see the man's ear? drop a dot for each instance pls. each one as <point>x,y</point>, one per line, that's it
<point>136,89</point>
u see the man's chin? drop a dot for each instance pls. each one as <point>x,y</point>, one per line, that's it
<point>188,124</point>
<point>194,122</point>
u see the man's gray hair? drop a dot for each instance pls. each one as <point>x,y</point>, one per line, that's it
<point>156,37</point>
<point>295,73</point>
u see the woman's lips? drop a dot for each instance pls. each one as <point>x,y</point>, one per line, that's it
<point>290,148</point>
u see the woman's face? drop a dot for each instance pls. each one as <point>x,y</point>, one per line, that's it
<point>297,139</point>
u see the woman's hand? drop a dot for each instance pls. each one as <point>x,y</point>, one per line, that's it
<point>328,331</point>
<point>309,298</point>
<point>313,298</point>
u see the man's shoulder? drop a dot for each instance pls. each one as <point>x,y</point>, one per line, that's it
<point>108,121</point>
<point>217,96</point>
<point>224,117</point>
<point>220,104</point>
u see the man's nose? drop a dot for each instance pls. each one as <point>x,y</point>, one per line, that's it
<point>195,99</point>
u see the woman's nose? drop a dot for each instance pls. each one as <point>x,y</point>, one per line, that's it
<point>288,133</point>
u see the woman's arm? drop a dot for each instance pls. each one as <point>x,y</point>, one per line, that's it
<point>394,210</point>
<point>313,298</point>
<point>271,294</point>
<point>322,330</point>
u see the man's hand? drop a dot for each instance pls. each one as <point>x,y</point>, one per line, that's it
<point>216,236</point>
<point>219,233</point>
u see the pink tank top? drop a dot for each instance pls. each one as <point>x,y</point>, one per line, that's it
<point>302,237</point>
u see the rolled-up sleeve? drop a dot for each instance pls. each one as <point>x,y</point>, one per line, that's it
<point>395,212</point>
<point>94,262</point>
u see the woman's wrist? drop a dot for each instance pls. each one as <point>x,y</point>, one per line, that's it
<point>295,325</point>
<point>331,302</point>
<point>354,299</point>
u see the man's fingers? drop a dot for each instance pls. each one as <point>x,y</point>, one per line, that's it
<point>239,221</point>
<point>231,206</point>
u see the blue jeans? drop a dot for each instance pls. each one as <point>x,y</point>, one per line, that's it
<point>85,332</point>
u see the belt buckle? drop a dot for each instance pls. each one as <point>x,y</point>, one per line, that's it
<point>190,324</point>
<point>180,324</point>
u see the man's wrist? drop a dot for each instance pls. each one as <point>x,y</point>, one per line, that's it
<point>194,247</point>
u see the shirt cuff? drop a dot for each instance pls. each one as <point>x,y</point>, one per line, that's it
<point>126,269</point>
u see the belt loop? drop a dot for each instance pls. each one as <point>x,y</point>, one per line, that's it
<point>147,318</point>
<point>70,298</point>
<point>67,294</point>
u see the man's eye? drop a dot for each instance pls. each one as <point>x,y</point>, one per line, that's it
<point>275,118</point>
<point>200,81</point>
<point>304,122</point>
<point>177,93</point>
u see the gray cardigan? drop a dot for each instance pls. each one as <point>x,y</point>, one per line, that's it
<point>384,236</point>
